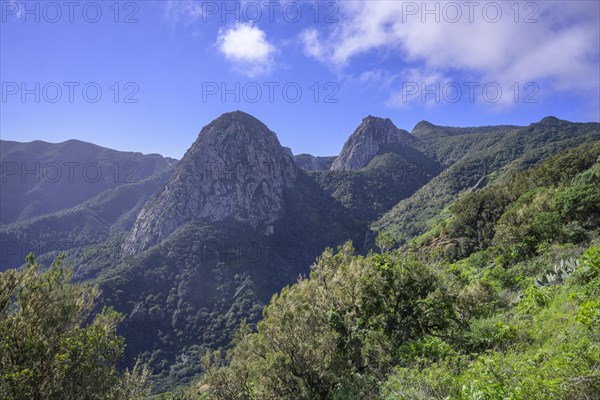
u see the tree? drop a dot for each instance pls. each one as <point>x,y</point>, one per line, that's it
<point>52,346</point>
<point>334,335</point>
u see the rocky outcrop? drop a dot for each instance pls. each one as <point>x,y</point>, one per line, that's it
<point>371,137</point>
<point>236,169</point>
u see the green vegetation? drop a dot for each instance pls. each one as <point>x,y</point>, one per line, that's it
<point>400,172</point>
<point>479,282</point>
<point>334,335</point>
<point>556,201</point>
<point>482,155</point>
<point>53,347</point>
<point>498,301</point>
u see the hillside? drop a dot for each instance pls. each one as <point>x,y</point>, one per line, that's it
<point>479,164</point>
<point>515,317</point>
<point>108,214</point>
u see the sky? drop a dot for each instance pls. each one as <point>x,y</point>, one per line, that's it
<point>148,75</point>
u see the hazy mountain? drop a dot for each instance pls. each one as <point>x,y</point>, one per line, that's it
<point>313,163</point>
<point>40,177</point>
<point>94,221</point>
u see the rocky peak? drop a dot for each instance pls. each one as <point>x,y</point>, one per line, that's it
<point>371,136</point>
<point>235,169</point>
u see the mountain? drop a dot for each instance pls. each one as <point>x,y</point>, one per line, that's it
<point>235,169</point>
<point>379,165</point>
<point>196,247</point>
<point>373,135</point>
<point>39,177</point>
<point>235,222</point>
<point>479,156</point>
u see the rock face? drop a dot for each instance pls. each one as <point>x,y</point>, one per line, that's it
<point>235,169</point>
<point>372,136</point>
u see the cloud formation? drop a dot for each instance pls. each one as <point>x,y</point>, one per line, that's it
<point>246,46</point>
<point>553,43</point>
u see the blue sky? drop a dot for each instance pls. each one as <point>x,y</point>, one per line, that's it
<point>167,68</point>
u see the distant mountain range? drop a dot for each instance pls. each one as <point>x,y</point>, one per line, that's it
<point>188,249</point>
<point>40,178</point>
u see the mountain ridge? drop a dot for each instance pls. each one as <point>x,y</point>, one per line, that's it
<point>40,177</point>
<point>239,219</point>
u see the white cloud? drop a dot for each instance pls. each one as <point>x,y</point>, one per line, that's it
<point>312,44</point>
<point>246,46</point>
<point>561,50</point>
<point>377,77</point>
<point>188,10</point>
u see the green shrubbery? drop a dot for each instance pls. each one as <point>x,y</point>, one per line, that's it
<point>513,315</point>
<point>53,346</point>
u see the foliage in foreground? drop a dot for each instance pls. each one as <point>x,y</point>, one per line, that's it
<point>382,327</point>
<point>51,347</point>
<point>515,314</point>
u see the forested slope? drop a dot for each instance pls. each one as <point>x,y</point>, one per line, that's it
<point>516,149</point>
<point>498,301</point>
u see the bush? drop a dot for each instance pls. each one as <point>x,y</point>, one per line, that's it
<point>50,350</point>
